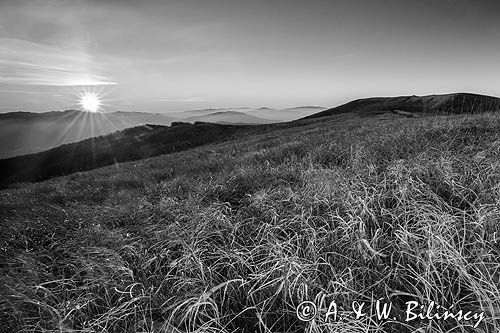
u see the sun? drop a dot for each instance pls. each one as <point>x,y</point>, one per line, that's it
<point>90,102</point>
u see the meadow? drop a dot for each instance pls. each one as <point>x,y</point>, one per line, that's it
<point>231,237</point>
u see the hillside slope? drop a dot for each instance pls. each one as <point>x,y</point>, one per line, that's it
<point>451,103</point>
<point>233,236</point>
<point>127,145</point>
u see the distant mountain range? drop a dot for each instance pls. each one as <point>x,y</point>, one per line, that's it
<point>25,132</point>
<point>239,115</point>
<point>151,140</point>
<point>229,117</point>
<point>205,112</point>
<point>285,114</point>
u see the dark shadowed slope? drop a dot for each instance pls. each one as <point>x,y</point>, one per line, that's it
<point>127,145</point>
<point>25,132</point>
<point>450,103</point>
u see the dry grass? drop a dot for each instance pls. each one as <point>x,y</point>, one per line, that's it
<point>231,237</point>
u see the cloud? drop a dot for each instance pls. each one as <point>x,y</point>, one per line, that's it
<point>30,63</point>
<point>182,100</point>
<point>22,92</point>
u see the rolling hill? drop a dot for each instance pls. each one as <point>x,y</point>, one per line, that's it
<point>126,145</point>
<point>25,132</point>
<point>450,103</point>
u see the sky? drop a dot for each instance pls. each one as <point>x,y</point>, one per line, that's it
<point>163,56</point>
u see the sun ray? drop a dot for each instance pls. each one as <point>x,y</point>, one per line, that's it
<point>94,120</point>
<point>82,125</point>
<point>106,137</point>
<point>63,135</point>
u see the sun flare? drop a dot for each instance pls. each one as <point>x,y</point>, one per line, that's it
<point>90,102</point>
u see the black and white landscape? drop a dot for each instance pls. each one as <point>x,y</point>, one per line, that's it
<point>249,166</point>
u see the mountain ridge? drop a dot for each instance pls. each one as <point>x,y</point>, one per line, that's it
<point>150,140</point>
<point>445,103</point>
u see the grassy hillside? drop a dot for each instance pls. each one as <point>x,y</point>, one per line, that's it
<point>458,103</point>
<point>231,237</point>
<point>127,145</point>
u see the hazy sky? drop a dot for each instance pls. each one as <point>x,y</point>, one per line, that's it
<point>179,55</point>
